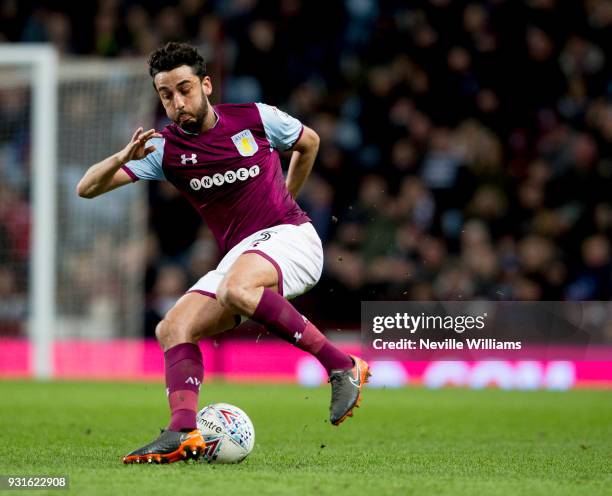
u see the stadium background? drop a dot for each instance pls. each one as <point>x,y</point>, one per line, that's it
<point>465,146</point>
<point>465,152</point>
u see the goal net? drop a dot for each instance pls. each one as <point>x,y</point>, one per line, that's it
<point>69,267</point>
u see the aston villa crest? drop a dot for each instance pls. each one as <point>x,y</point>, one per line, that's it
<point>245,143</point>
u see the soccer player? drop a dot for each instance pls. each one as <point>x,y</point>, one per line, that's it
<point>224,159</point>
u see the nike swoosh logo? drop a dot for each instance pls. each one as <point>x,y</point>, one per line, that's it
<point>188,435</point>
<point>355,382</point>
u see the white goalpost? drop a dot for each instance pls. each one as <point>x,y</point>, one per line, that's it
<point>42,59</point>
<point>79,273</point>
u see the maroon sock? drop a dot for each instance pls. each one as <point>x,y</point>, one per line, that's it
<point>282,319</point>
<point>184,374</point>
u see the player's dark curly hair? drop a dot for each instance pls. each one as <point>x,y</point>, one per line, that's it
<point>173,55</point>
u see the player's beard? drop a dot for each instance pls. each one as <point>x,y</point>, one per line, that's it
<point>195,125</point>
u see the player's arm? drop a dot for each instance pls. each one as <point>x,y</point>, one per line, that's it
<point>302,159</point>
<point>287,133</point>
<point>108,174</point>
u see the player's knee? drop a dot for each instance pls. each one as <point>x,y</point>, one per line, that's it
<point>169,334</point>
<point>162,332</point>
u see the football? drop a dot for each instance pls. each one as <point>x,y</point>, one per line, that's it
<point>227,431</point>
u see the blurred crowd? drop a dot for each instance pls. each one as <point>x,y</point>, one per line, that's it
<point>465,145</point>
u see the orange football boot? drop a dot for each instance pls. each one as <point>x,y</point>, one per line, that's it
<point>169,447</point>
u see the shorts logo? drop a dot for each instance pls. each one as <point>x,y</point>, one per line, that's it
<point>245,143</point>
<point>264,236</point>
<point>219,179</point>
<point>193,159</point>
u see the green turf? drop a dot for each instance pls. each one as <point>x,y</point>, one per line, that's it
<point>407,441</point>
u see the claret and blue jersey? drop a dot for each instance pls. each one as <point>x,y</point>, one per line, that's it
<point>230,173</point>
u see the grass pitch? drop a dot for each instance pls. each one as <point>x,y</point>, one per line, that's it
<point>406,441</point>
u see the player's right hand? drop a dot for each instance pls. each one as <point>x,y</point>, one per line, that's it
<point>135,149</point>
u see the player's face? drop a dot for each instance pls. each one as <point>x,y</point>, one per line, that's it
<point>184,97</point>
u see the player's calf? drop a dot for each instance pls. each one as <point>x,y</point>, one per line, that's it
<point>347,374</point>
<point>285,321</point>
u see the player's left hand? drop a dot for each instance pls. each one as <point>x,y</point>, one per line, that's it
<point>135,149</point>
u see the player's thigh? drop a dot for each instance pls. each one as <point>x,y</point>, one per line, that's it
<point>193,317</point>
<point>250,270</point>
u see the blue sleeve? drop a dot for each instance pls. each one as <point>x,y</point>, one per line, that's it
<point>281,129</point>
<point>149,167</point>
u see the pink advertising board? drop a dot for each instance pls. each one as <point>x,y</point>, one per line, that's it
<point>275,361</point>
